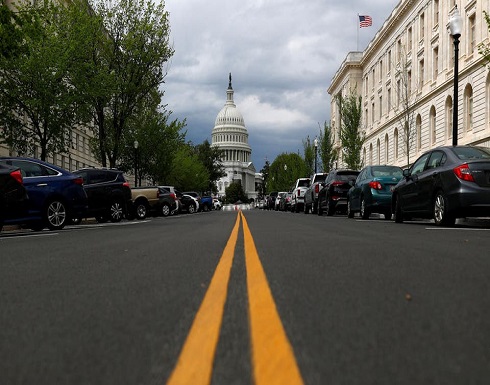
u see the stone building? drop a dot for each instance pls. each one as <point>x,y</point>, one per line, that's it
<point>409,67</point>
<point>230,135</point>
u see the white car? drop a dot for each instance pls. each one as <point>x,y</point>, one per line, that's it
<point>217,205</point>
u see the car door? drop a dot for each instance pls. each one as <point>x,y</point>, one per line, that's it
<point>355,191</point>
<point>428,180</point>
<point>409,192</point>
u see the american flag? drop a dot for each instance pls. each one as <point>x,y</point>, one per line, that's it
<point>365,21</point>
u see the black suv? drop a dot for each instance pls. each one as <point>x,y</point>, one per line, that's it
<point>108,192</point>
<point>333,195</point>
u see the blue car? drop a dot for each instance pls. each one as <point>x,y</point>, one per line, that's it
<point>54,194</point>
<point>372,190</point>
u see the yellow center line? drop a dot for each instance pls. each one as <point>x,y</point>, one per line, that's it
<point>273,358</point>
<point>195,363</point>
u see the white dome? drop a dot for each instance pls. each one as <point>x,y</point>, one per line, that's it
<point>229,115</point>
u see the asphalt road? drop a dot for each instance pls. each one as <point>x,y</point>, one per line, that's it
<point>351,302</point>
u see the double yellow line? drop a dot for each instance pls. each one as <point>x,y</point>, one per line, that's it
<point>272,355</point>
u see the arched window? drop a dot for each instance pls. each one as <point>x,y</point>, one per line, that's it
<point>371,154</point>
<point>364,155</point>
<point>418,128</point>
<point>395,140</point>
<point>487,89</point>
<point>432,124</point>
<point>449,117</point>
<point>468,108</point>
<point>387,149</point>
<point>378,152</point>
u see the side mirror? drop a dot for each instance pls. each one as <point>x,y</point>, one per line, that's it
<point>406,173</point>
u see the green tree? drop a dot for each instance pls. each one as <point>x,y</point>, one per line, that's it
<point>265,175</point>
<point>10,33</point>
<point>309,155</point>
<point>187,172</point>
<point>38,105</point>
<point>210,157</point>
<point>328,153</point>
<point>484,49</point>
<point>351,135</point>
<point>122,61</point>
<point>234,193</point>
<point>286,168</point>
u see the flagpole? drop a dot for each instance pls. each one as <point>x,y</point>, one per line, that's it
<point>357,28</point>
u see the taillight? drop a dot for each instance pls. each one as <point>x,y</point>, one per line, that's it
<point>78,181</point>
<point>17,176</point>
<point>375,185</point>
<point>463,172</point>
<point>317,188</point>
<point>126,184</point>
<point>337,183</point>
<point>299,192</point>
<point>172,195</point>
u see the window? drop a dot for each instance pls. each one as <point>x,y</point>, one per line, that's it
<point>419,165</point>
<point>398,92</point>
<point>371,153</point>
<point>435,63</point>
<point>449,117</point>
<point>437,159</point>
<point>421,73</point>
<point>468,108</point>
<point>372,113</point>
<point>389,99</point>
<point>380,107</point>
<point>389,60</point>
<point>409,84</point>
<point>471,34</point>
<point>409,39</point>
<point>381,70</point>
<point>422,26</point>
<point>487,95</point>
<point>387,149</point>
<point>399,50</point>
<point>436,13</point>
<point>395,140</point>
<point>378,152</point>
<point>418,128</point>
<point>432,123</point>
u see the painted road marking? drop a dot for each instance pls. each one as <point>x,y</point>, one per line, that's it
<point>273,358</point>
<point>195,363</point>
<point>272,354</point>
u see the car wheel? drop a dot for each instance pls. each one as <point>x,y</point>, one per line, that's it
<point>117,211</point>
<point>141,210</point>
<point>442,217</point>
<point>398,214</point>
<point>320,208</point>
<point>364,212</point>
<point>165,210</point>
<point>55,215</point>
<point>350,213</point>
<point>191,209</point>
<point>330,209</point>
<point>306,210</point>
<point>205,208</point>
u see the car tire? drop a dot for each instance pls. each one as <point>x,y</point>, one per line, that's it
<point>364,211</point>
<point>441,214</point>
<point>398,214</point>
<point>165,210</point>
<point>350,213</point>
<point>319,210</point>
<point>192,208</point>
<point>55,215</point>
<point>141,210</point>
<point>117,211</point>
<point>205,208</point>
<point>330,209</point>
<point>306,210</point>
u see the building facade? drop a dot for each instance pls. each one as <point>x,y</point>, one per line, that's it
<point>405,78</point>
<point>230,135</point>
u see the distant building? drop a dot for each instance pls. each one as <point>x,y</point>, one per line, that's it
<point>230,135</point>
<point>414,44</point>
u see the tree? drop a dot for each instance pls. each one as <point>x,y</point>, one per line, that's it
<point>328,154</point>
<point>309,155</point>
<point>210,157</point>
<point>234,193</point>
<point>187,172</point>
<point>351,136</point>
<point>406,99</point>
<point>38,105</point>
<point>484,49</point>
<point>265,175</point>
<point>286,168</point>
<point>125,50</point>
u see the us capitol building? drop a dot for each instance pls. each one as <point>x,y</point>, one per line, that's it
<point>230,135</point>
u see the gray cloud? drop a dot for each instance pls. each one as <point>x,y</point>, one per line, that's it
<point>282,55</point>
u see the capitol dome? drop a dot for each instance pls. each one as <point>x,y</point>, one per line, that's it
<point>229,114</point>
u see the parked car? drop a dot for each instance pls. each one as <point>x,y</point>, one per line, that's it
<point>298,197</point>
<point>333,195</point>
<point>443,184</point>
<point>278,199</point>
<point>217,205</point>
<point>187,203</point>
<point>172,189</point>
<point>372,190</point>
<point>55,194</point>
<point>271,200</point>
<point>13,195</point>
<point>196,196</point>
<point>108,192</point>
<point>167,201</point>
<point>311,193</point>
<point>285,202</point>
<point>206,203</point>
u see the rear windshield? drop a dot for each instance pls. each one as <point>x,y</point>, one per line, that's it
<point>387,171</point>
<point>346,176</point>
<point>321,178</point>
<point>303,183</point>
<point>466,153</point>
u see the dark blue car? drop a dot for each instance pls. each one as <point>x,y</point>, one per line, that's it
<point>54,194</point>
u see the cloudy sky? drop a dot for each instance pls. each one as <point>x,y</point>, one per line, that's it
<point>282,55</point>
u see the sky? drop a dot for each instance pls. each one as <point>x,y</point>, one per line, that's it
<point>282,55</point>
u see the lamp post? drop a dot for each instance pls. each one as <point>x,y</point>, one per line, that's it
<point>455,27</point>
<point>316,149</point>
<point>136,163</point>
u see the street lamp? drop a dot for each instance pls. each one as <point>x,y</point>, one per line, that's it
<point>136,163</point>
<point>455,27</point>
<point>316,149</point>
